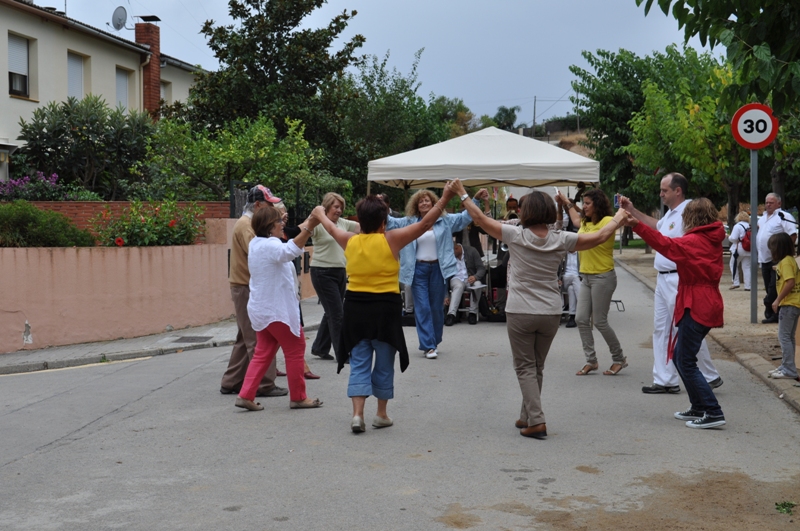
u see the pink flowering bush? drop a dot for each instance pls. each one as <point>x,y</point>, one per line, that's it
<point>39,187</point>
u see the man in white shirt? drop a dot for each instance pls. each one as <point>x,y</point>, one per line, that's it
<point>665,375</point>
<point>469,272</point>
<point>772,221</point>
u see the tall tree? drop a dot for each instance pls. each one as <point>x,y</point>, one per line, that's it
<point>686,130</point>
<point>762,38</point>
<point>455,114</point>
<point>608,95</point>
<point>506,117</point>
<point>382,114</point>
<point>762,41</point>
<point>271,67</point>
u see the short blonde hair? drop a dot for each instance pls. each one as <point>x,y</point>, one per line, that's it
<point>743,215</point>
<point>699,212</point>
<point>329,198</point>
<point>412,207</point>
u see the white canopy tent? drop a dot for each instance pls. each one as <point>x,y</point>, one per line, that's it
<point>489,157</point>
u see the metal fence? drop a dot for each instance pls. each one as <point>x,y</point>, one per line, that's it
<point>238,198</point>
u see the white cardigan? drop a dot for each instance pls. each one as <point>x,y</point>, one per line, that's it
<point>273,297</point>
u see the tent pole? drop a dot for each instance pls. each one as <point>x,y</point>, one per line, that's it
<point>368,183</point>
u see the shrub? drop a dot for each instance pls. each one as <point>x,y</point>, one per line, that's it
<point>23,225</point>
<point>149,224</point>
<point>41,188</point>
<point>86,141</point>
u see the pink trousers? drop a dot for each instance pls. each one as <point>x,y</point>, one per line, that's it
<point>277,335</point>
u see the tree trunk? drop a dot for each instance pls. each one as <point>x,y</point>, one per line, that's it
<point>627,236</point>
<point>778,181</point>
<point>733,201</point>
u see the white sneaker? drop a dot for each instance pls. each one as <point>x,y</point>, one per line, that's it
<point>773,371</point>
<point>432,354</point>
<point>781,375</point>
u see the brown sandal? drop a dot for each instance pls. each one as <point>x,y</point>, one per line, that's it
<point>306,405</point>
<point>586,370</point>
<point>615,368</point>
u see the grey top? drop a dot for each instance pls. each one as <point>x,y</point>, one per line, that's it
<point>533,288</point>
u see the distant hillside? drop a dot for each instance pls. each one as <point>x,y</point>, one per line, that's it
<point>572,141</point>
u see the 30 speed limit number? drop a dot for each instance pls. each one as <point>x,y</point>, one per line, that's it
<point>753,126</point>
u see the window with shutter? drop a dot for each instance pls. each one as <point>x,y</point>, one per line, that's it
<point>74,76</point>
<point>18,66</point>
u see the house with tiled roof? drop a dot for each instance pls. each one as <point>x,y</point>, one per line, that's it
<point>46,56</point>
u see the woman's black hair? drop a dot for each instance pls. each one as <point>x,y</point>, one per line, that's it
<point>372,212</point>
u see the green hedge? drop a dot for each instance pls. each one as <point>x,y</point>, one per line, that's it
<point>23,225</point>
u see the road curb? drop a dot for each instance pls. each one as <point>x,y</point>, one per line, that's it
<point>21,368</point>
<point>753,362</point>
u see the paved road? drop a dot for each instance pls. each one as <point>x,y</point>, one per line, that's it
<point>151,444</point>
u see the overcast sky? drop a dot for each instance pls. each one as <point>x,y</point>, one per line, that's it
<point>486,52</point>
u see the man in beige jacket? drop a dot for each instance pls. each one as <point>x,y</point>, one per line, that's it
<point>239,278</point>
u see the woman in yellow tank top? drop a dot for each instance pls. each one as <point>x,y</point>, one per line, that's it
<point>372,305</point>
<point>598,282</point>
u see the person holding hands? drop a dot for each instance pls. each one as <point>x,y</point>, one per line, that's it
<point>698,306</point>
<point>427,261</point>
<point>533,310</point>
<point>273,308</point>
<point>598,280</point>
<point>372,331</point>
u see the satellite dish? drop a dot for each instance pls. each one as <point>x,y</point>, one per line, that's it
<point>119,18</point>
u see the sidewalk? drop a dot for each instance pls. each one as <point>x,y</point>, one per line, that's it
<point>786,390</point>
<point>218,334</point>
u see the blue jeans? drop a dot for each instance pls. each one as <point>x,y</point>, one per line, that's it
<point>429,291</point>
<point>787,326</point>
<point>690,336</point>
<point>366,380</point>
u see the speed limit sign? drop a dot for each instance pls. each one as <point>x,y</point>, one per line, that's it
<point>754,127</point>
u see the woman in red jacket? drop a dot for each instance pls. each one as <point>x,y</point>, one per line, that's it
<point>698,306</point>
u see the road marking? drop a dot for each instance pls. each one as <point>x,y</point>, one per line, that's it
<point>101,364</point>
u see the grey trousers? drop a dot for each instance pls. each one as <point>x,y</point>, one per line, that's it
<point>457,288</point>
<point>787,326</point>
<point>594,300</point>
<point>244,347</point>
<point>530,337</point>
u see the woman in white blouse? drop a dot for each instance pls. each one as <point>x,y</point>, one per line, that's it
<point>273,308</point>
<point>738,254</point>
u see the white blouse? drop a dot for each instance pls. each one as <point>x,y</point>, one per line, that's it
<point>273,297</point>
<point>426,247</point>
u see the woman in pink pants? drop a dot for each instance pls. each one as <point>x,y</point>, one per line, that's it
<point>273,308</point>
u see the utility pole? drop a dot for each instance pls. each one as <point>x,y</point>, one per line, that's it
<point>578,117</point>
<point>533,129</point>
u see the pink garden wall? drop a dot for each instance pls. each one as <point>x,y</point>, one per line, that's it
<point>78,295</point>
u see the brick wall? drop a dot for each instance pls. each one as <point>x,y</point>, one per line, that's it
<point>150,34</point>
<point>80,212</point>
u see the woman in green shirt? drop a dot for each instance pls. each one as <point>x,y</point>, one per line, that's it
<point>328,276</point>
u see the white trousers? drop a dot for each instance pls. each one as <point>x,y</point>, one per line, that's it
<point>665,373</point>
<point>408,298</point>
<point>744,260</point>
<point>572,283</point>
<point>457,288</point>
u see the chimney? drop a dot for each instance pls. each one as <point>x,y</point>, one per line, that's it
<point>150,34</point>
